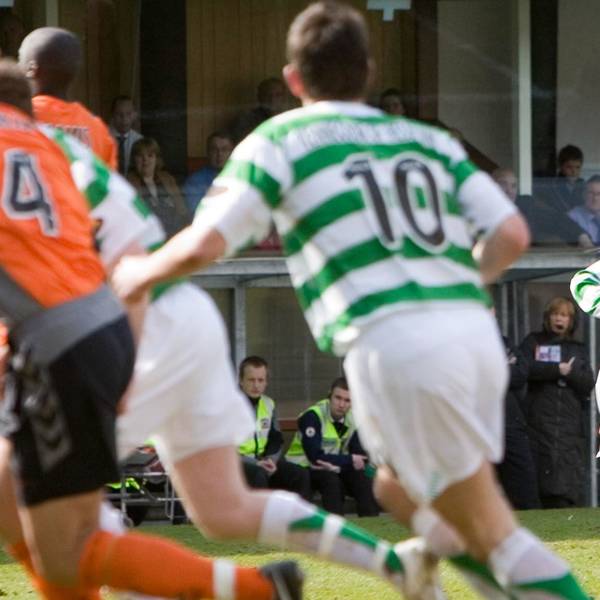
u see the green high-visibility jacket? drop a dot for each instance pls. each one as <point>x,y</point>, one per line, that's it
<point>255,446</point>
<point>331,442</point>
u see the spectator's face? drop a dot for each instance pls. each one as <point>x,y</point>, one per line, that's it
<point>508,182</point>
<point>273,97</point>
<point>219,150</point>
<point>123,116</point>
<point>393,105</point>
<point>592,197</point>
<point>145,163</point>
<point>254,381</point>
<point>571,169</point>
<point>339,403</point>
<point>560,321</point>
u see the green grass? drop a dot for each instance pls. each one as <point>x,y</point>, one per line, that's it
<point>574,534</point>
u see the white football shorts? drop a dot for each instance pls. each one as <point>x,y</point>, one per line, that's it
<point>428,395</point>
<point>184,392</point>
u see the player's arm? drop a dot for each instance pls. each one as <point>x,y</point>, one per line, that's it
<point>502,248</point>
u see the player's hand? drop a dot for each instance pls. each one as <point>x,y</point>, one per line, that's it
<point>268,465</point>
<point>359,462</point>
<point>128,279</point>
<point>566,367</point>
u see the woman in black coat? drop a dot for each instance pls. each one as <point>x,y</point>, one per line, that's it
<point>556,405</point>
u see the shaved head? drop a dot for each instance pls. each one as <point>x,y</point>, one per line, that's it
<point>14,87</point>
<point>51,58</point>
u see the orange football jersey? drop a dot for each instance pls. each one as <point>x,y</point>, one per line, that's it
<point>46,239</point>
<point>78,121</point>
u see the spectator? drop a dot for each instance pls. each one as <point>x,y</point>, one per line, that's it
<point>12,32</point>
<point>123,116</point>
<point>391,102</point>
<point>517,472</point>
<point>327,442</point>
<point>587,215</point>
<point>560,380</point>
<point>219,146</point>
<point>271,95</point>
<point>156,186</point>
<point>565,191</point>
<point>262,461</point>
<point>546,224</point>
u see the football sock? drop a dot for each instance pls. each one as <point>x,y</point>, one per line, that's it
<point>20,553</point>
<point>443,541</point>
<point>526,568</point>
<point>290,522</point>
<point>151,565</point>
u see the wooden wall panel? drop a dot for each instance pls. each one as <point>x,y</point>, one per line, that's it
<point>234,44</point>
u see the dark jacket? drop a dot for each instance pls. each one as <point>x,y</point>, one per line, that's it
<point>555,409</point>
<point>517,472</point>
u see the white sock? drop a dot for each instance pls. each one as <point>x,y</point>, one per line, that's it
<point>521,557</point>
<point>331,537</point>
<point>440,537</point>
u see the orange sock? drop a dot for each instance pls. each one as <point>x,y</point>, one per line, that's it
<point>158,567</point>
<point>20,553</point>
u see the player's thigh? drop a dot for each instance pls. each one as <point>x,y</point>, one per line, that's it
<point>10,527</point>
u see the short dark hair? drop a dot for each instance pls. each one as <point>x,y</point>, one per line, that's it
<point>593,179</point>
<point>338,382</point>
<point>14,87</point>
<point>329,45</point>
<point>225,135</point>
<point>569,152</point>
<point>117,100</point>
<point>252,361</point>
<point>263,88</point>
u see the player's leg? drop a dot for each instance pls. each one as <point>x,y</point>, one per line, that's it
<point>435,417</point>
<point>61,503</point>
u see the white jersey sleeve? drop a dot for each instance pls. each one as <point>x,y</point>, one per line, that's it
<point>484,204</point>
<point>240,201</point>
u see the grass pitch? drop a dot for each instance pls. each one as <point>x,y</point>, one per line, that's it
<point>574,534</point>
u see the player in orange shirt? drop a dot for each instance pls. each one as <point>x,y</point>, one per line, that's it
<point>72,357</point>
<point>51,58</point>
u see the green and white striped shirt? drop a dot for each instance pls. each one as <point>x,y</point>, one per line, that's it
<point>585,288</point>
<point>376,213</point>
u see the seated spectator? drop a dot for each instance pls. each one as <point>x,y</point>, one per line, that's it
<point>516,472</point>
<point>328,445</point>
<point>559,383</point>
<point>565,191</point>
<point>271,95</point>
<point>546,224</point>
<point>392,103</point>
<point>123,116</point>
<point>219,147</point>
<point>156,186</point>
<point>262,461</point>
<point>587,215</point>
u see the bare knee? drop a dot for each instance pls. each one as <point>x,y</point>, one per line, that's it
<point>230,518</point>
<point>391,495</point>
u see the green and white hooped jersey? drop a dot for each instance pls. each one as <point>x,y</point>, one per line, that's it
<point>376,213</point>
<point>585,288</point>
<point>122,217</point>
